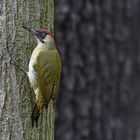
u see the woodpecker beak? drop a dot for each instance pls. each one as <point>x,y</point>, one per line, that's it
<point>30,30</point>
<point>33,32</point>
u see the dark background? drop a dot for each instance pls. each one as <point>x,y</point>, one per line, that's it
<point>99,42</point>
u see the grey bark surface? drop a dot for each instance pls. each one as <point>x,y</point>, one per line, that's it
<point>16,96</point>
<point>100,45</point>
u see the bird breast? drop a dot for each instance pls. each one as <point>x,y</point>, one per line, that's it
<point>32,73</point>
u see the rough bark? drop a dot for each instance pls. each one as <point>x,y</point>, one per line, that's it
<point>16,96</point>
<point>100,45</point>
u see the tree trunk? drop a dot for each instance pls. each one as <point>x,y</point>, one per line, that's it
<point>16,96</point>
<point>100,43</point>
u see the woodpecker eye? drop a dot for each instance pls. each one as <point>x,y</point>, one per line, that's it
<point>43,34</point>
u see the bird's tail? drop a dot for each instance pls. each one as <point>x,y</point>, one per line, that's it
<point>38,107</point>
<point>35,115</point>
<point>37,110</point>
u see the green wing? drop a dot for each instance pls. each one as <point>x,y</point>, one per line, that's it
<point>48,70</point>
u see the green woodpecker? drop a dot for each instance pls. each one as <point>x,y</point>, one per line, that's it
<point>44,71</point>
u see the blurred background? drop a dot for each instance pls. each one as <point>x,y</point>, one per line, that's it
<point>99,42</point>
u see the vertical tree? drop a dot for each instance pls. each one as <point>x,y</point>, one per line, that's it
<point>100,44</point>
<point>16,100</point>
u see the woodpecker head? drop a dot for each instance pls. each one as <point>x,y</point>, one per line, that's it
<point>41,34</point>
